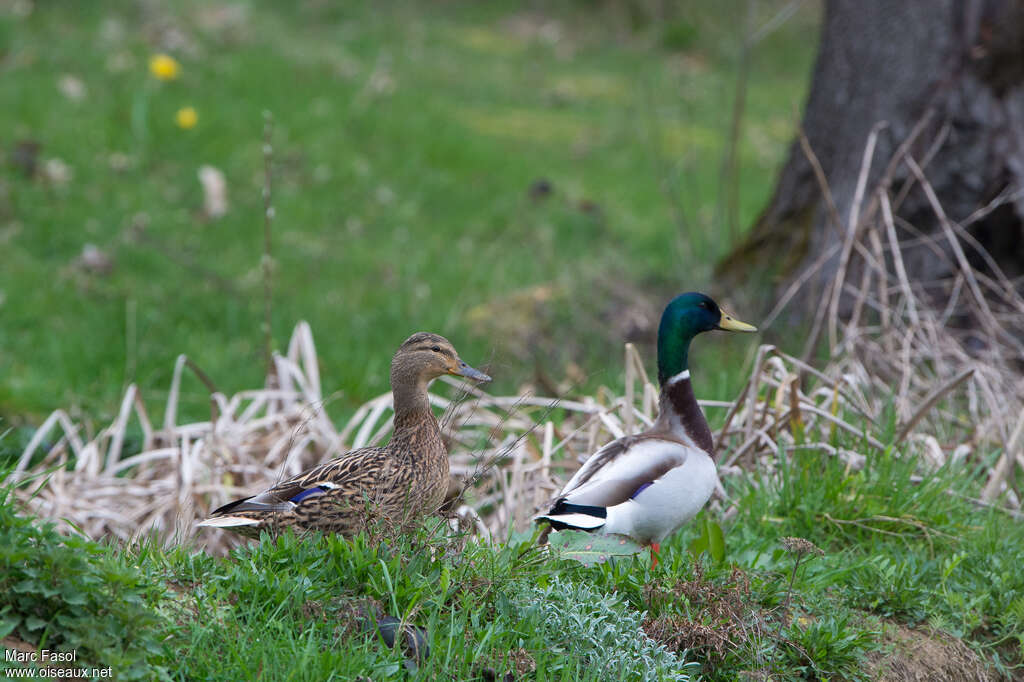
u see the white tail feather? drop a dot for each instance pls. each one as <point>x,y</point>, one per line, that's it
<point>581,521</point>
<point>228,522</point>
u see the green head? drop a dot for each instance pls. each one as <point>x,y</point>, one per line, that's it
<point>686,316</point>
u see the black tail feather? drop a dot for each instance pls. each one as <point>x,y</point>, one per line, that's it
<point>563,507</point>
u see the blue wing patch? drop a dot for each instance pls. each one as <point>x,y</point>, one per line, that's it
<point>316,490</point>
<point>639,490</point>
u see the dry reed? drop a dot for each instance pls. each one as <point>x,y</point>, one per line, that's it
<point>891,342</point>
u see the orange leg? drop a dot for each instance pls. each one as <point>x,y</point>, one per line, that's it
<point>655,548</point>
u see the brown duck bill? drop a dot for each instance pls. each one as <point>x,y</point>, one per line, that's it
<point>463,370</point>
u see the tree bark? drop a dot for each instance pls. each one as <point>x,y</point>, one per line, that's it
<point>945,80</point>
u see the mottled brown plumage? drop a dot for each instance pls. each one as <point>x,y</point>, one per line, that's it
<point>405,479</point>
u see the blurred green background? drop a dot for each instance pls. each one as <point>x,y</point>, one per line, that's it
<point>531,180</point>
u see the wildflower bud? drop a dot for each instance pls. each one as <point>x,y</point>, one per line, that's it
<point>164,67</point>
<point>186,118</point>
<point>800,546</point>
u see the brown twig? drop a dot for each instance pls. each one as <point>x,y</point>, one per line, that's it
<point>930,402</point>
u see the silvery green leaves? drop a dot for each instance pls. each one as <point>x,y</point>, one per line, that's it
<point>601,629</point>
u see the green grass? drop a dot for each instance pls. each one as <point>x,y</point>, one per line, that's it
<point>897,552</point>
<point>72,594</point>
<point>405,138</point>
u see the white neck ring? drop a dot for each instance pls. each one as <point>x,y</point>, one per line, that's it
<point>685,374</point>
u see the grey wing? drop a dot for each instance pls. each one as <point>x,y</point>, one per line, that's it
<point>602,458</point>
<point>617,475</point>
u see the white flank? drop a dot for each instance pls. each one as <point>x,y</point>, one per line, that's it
<point>674,499</point>
<point>228,522</point>
<point>685,374</point>
<point>581,521</point>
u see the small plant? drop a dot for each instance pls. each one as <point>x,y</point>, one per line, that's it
<point>799,548</point>
<point>829,646</point>
<point>718,618</point>
<point>892,587</point>
<point>711,540</point>
<point>68,593</point>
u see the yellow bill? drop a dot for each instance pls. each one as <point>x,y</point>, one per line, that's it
<point>731,324</point>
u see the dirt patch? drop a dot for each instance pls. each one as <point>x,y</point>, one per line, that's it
<point>350,613</point>
<point>17,644</point>
<point>13,643</point>
<point>923,655</point>
<point>517,664</point>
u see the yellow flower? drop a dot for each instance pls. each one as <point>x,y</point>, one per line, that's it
<point>164,67</point>
<point>186,118</point>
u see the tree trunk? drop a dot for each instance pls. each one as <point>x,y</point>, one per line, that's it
<point>945,79</point>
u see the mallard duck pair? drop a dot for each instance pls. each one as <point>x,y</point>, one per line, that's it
<point>644,485</point>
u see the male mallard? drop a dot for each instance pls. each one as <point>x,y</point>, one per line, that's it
<point>649,484</point>
<point>406,478</point>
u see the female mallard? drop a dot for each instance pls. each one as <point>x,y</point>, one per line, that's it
<point>406,478</point>
<point>649,484</point>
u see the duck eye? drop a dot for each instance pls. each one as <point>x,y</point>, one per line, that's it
<point>436,349</point>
